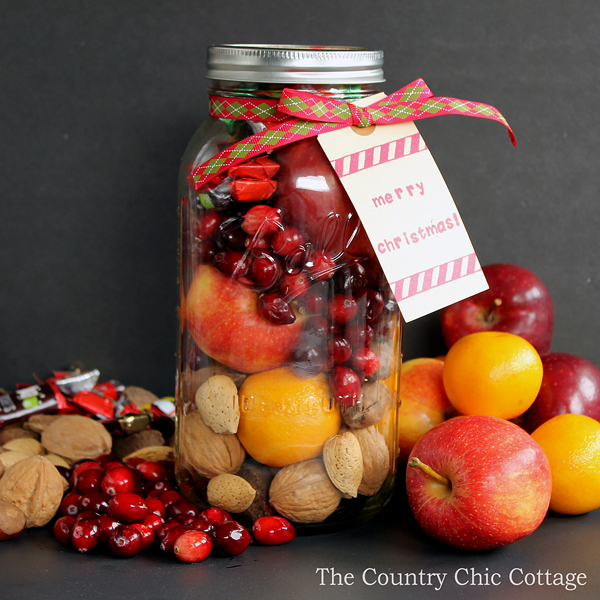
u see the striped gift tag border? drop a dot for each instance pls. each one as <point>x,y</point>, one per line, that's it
<point>436,276</point>
<point>378,155</point>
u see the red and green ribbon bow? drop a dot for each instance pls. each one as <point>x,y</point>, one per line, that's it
<point>298,115</point>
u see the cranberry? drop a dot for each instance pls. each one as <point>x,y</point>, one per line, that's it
<point>165,528</point>
<point>273,531</point>
<point>83,466</point>
<point>205,251</point>
<point>231,538</point>
<point>258,243</point>
<point>128,507</point>
<point>105,459</point>
<point>107,525</point>
<point>148,535</point>
<point>370,304</point>
<point>315,299</point>
<point>350,279</point>
<point>264,271</point>
<point>308,360</point>
<point>215,516</point>
<point>339,349</point>
<point>321,266</point>
<point>182,507</point>
<point>86,514</point>
<point>389,310</point>
<point>316,329</point>
<point>69,505</point>
<point>342,309</point>
<point>365,361</point>
<point>167,541</point>
<point>202,525</point>
<point>207,225</point>
<point>151,471</point>
<point>169,496</point>
<point>118,481</point>
<point>358,334</point>
<point>294,285</point>
<point>184,519</point>
<point>155,506</point>
<point>286,240</point>
<point>231,263</point>
<point>62,529</point>
<point>276,309</point>
<point>85,534</point>
<point>125,541</point>
<point>262,218</point>
<point>231,236</point>
<point>133,462</point>
<point>112,465</point>
<point>345,384</point>
<point>94,501</point>
<point>162,486</point>
<point>192,546</point>
<point>153,521</point>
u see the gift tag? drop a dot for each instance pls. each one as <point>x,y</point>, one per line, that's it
<point>408,214</point>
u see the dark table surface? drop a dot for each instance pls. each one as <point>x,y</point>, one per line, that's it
<point>366,562</point>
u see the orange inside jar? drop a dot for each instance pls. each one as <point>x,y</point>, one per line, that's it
<point>290,338</point>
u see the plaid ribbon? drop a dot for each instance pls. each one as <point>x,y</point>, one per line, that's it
<point>299,115</point>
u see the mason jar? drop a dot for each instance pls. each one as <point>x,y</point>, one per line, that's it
<point>290,337</point>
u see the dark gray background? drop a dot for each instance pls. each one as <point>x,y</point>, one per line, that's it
<point>99,99</point>
<point>97,103</point>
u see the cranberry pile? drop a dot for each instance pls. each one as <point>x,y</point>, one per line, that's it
<point>337,292</point>
<point>136,505</point>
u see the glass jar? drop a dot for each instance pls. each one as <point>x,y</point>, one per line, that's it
<point>290,338</point>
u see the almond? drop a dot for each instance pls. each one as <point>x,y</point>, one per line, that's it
<point>217,401</point>
<point>26,445</point>
<point>302,492</point>
<point>376,459</point>
<point>343,461</point>
<point>230,493</point>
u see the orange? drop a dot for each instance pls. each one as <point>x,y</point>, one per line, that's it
<point>285,418</point>
<point>572,445</point>
<point>492,373</point>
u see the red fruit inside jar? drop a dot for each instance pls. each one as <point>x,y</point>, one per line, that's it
<point>313,200</point>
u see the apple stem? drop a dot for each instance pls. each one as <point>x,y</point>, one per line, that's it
<point>415,462</point>
<point>497,303</point>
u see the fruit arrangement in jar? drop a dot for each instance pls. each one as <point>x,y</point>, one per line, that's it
<point>290,345</point>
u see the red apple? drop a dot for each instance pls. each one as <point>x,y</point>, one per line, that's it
<point>423,401</point>
<point>516,302</point>
<point>478,482</point>
<point>313,200</point>
<point>223,318</point>
<point>571,384</point>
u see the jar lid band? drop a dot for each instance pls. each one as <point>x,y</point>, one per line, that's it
<point>263,63</point>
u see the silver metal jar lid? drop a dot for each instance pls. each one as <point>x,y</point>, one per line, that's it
<point>263,63</point>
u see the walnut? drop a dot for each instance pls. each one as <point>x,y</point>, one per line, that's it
<point>139,396</point>
<point>127,445</point>
<point>259,476</point>
<point>376,459</point>
<point>26,445</point>
<point>2,469</point>
<point>230,493</point>
<point>152,453</point>
<point>12,520</point>
<point>217,402</point>
<point>207,452</point>
<point>12,432</point>
<point>75,437</point>
<point>302,492</point>
<point>343,461</point>
<point>373,405</point>
<point>36,487</point>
